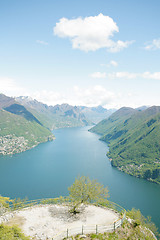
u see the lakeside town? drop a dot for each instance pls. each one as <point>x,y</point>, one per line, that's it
<point>10,144</point>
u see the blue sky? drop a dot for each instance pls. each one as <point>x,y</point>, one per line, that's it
<point>83,52</point>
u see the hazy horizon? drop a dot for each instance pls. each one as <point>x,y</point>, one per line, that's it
<point>84,53</point>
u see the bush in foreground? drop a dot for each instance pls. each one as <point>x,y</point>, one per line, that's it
<point>11,233</point>
<point>126,232</point>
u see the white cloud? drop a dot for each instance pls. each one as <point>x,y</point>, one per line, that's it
<point>49,97</point>
<point>113,63</point>
<point>119,45</point>
<point>122,75</point>
<point>42,42</point>
<point>128,75</point>
<point>110,64</point>
<point>90,33</point>
<point>98,75</point>
<point>155,44</point>
<point>92,96</point>
<point>155,75</point>
<point>9,86</point>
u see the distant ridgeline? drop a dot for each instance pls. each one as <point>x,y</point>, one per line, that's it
<point>58,116</point>
<point>133,136</point>
<point>24,122</point>
<point>64,115</point>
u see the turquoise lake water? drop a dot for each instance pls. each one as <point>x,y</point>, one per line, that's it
<point>50,168</point>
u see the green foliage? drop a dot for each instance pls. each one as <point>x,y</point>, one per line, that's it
<point>11,233</point>
<point>134,142</point>
<point>19,203</point>
<point>125,232</point>
<point>116,118</point>
<point>86,191</point>
<point>5,201</point>
<point>22,111</point>
<point>58,200</point>
<point>139,219</point>
<point>18,126</point>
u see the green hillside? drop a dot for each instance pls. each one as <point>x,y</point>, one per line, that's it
<point>19,128</point>
<point>116,118</point>
<point>18,134</point>
<point>22,111</point>
<point>134,143</point>
<point>45,117</point>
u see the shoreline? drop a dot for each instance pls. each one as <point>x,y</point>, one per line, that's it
<point>49,139</point>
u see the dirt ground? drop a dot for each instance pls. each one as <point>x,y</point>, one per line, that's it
<point>46,221</point>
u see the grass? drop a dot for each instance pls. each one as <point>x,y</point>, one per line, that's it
<point>11,233</point>
<point>127,231</point>
<point>18,126</point>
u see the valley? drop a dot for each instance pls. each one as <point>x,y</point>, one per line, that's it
<point>25,123</point>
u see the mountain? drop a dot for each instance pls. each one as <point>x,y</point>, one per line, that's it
<point>116,118</point>
<point>134,142</point>
<point>6,101</point>
<point>39,110</point>
<point>22,111</point>
<point>66,115</point>
<point>142,108</point>
<point>19,129</point>
<point>96,114</point>
<point>58,116</point>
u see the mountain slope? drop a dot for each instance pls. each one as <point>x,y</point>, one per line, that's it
<point>19,129</point>
<point>116,118</point>
<point>58,116</point>
<point>6,101</point>
<point>135,144</point>
<point>66,115</point>
<point>22,111</point>
<point>96,114</point>
<point>39,110</point>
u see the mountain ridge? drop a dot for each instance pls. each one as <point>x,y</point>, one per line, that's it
<point>134,142</point>
<point>64,115</point>
<point>20,129</point>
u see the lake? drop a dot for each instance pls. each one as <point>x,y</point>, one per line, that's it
<point>50,168</point>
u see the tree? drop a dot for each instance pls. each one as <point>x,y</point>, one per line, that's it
<point>86,191</point>
<point>139,219</point>
<point>4,204</point>
<point>147,174</point>
<point>4,201</point>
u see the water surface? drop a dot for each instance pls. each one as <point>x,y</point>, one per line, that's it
<point>50,168</point>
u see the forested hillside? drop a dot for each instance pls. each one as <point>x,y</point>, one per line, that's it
<point>19,129</point>
<point>116,118</point>
<point>134,141</point>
